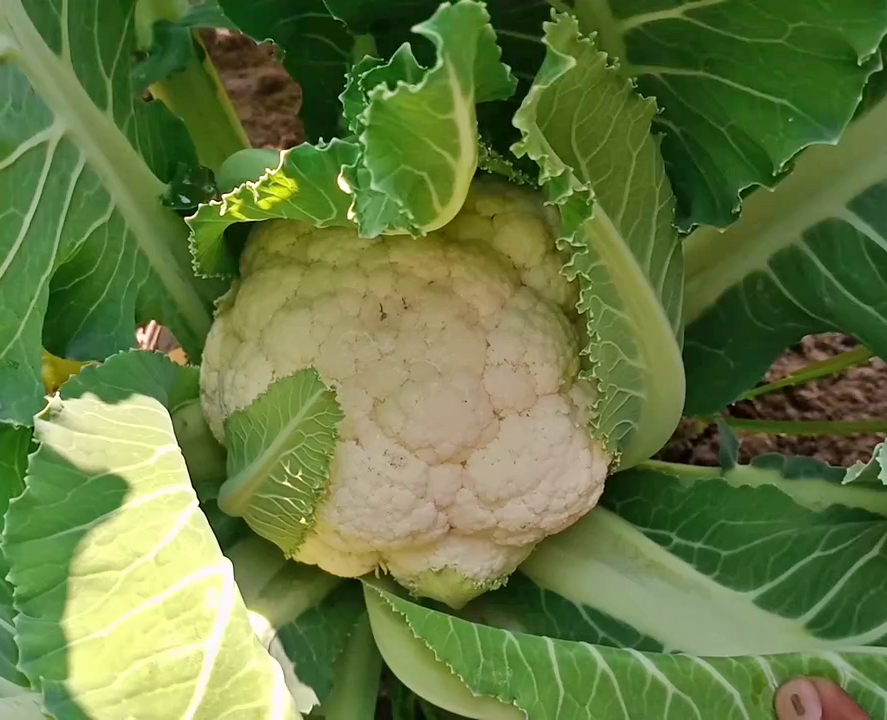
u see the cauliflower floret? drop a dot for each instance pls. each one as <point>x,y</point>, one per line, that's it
<point>455,358</point>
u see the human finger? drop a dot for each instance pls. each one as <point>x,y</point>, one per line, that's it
<point>816,699</point>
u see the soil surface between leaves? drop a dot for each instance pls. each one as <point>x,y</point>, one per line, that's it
<point>268,102</point>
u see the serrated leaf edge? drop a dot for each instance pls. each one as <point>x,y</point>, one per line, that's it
<point>226,200</point>
<point>381,93</point>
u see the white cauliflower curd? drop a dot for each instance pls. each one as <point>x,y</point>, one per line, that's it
<point>455,359</point>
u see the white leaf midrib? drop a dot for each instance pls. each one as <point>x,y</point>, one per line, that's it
<point>825,180</point>
<point>247,482</point>
<point>606,563</point>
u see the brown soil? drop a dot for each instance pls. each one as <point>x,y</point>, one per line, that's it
<point>268,103</point>
<point>856,394</point>
<point>265,96</point>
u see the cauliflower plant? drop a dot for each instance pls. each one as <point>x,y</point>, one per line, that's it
<point>455,358</point>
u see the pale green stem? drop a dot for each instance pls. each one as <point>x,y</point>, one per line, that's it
<point>814,371</point>
<point>277,589</point>
<point>358,674</point>
<point>197,96</point>
<point>364,45</point>
<point>203,455</point>
<point>147,12</point>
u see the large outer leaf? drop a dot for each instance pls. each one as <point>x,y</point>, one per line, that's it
<point>680,597</point>
<point>756,564</point>
<point>590,134</point>
<point>14,446</point>
<point>742,83</point>
<point>17,700</point>
<point>562,680</point>
<point>811,256</point>
<point>137,614</point>
<point>84,239</point>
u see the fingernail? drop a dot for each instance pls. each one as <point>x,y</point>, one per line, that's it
<point>798,700</point>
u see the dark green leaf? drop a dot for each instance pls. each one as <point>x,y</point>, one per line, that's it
<point>207,14</point>
<point>741,84</point>
<point>729,452</point>
<point>15,444</point>
<point>87,250</point>
<point>317,52</point>
<point>809,257</point>
<point>314,641</point>
<point>547,679</point>
<point>171,51</point>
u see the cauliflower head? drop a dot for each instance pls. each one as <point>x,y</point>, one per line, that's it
<point>455,358</point>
